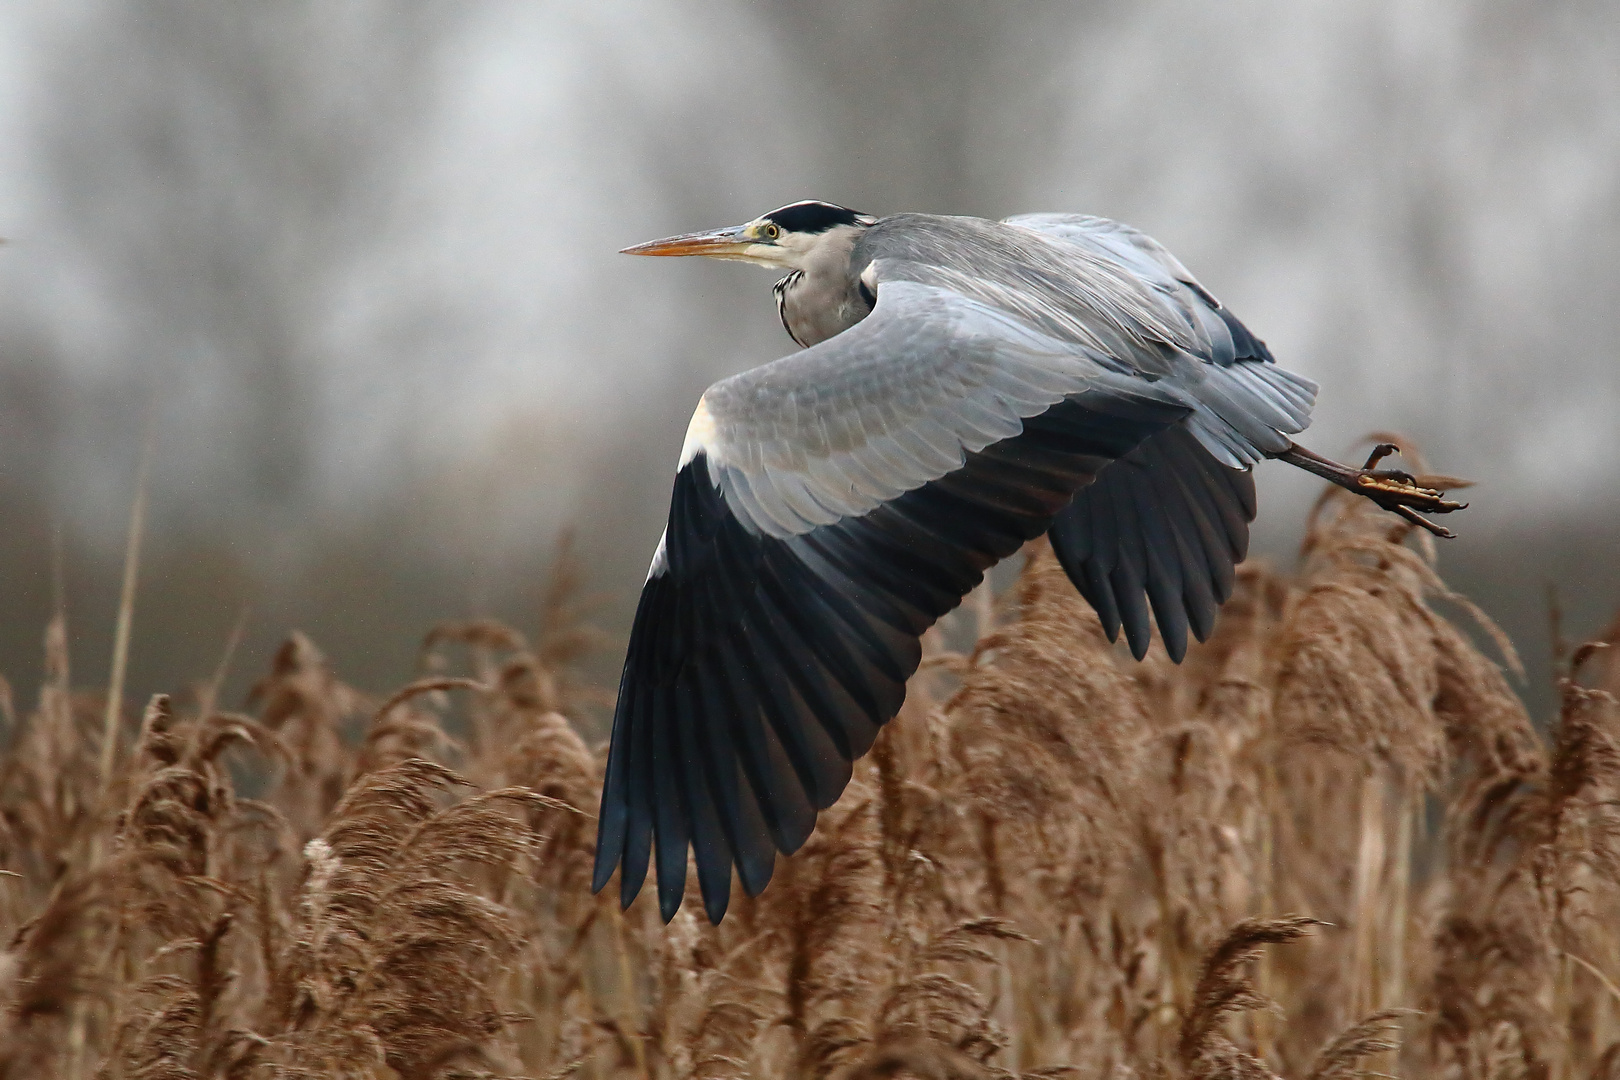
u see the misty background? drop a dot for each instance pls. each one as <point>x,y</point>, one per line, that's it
<point>350,269</point>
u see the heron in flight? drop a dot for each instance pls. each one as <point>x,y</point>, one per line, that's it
<point>963,386</point>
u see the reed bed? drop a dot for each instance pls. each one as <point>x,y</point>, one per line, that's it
<point>1329,844</point>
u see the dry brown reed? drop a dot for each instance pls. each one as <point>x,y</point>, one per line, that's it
<point>1057,861</point>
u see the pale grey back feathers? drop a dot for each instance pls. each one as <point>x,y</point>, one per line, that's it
<point>977,326</point>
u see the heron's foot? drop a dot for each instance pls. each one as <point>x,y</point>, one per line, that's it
<point>1393,490</point>
<point>1401,493</point>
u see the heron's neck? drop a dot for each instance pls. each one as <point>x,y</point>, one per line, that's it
<point>821,297</point>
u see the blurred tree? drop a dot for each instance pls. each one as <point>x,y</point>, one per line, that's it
<point>357,261</point>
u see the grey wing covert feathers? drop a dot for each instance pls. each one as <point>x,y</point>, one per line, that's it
<point>832,505</point>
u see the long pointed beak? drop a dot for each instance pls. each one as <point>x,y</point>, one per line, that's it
<point>716,242</point>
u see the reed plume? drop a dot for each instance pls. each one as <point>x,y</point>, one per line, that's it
<point>1057,861</point>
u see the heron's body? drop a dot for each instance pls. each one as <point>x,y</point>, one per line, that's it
<point>967,386</point>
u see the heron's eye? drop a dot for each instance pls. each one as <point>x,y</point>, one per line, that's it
<point>771,230</point>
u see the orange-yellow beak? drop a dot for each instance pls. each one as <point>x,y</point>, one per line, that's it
<point>717,243</point>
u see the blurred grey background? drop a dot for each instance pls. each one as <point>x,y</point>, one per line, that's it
<point>353,266</point>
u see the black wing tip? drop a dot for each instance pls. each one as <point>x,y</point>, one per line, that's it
<point>603,873</point>
<point>629,889</point>
<point>1139,643</point>
<point>753,880</point>
<point>715,903</point>
<point>629,882</point>
<point>610,854</point>
<point>1175,648</point>
<point>1201,626</point>
<point>1131,599</point>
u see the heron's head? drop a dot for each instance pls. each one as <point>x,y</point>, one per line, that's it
<point>782,239</point>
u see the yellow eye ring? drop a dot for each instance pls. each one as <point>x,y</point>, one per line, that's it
<point>771,230</point>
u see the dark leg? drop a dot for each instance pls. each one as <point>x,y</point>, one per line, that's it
<point>1391,489</point>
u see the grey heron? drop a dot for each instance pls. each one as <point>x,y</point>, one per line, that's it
<point>963,387</point>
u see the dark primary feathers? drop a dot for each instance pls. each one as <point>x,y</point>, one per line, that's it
<point>1166,518</point>
<point>1053,373</point>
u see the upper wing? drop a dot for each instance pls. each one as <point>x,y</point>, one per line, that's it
<point>1245,399</point>
<point>1149,259</point>
<point>898,400</point>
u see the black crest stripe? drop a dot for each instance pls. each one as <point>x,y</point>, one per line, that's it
<point>812,216</point>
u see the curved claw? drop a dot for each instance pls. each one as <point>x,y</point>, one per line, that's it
<point>1379,453</point>
<point>1418,519</point>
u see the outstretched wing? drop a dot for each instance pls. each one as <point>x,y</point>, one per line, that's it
<point>831,506</point>
<point>1166,519</point>
<point>760,667</point>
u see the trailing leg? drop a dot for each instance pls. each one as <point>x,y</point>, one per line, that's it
<point>1392,489</point>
